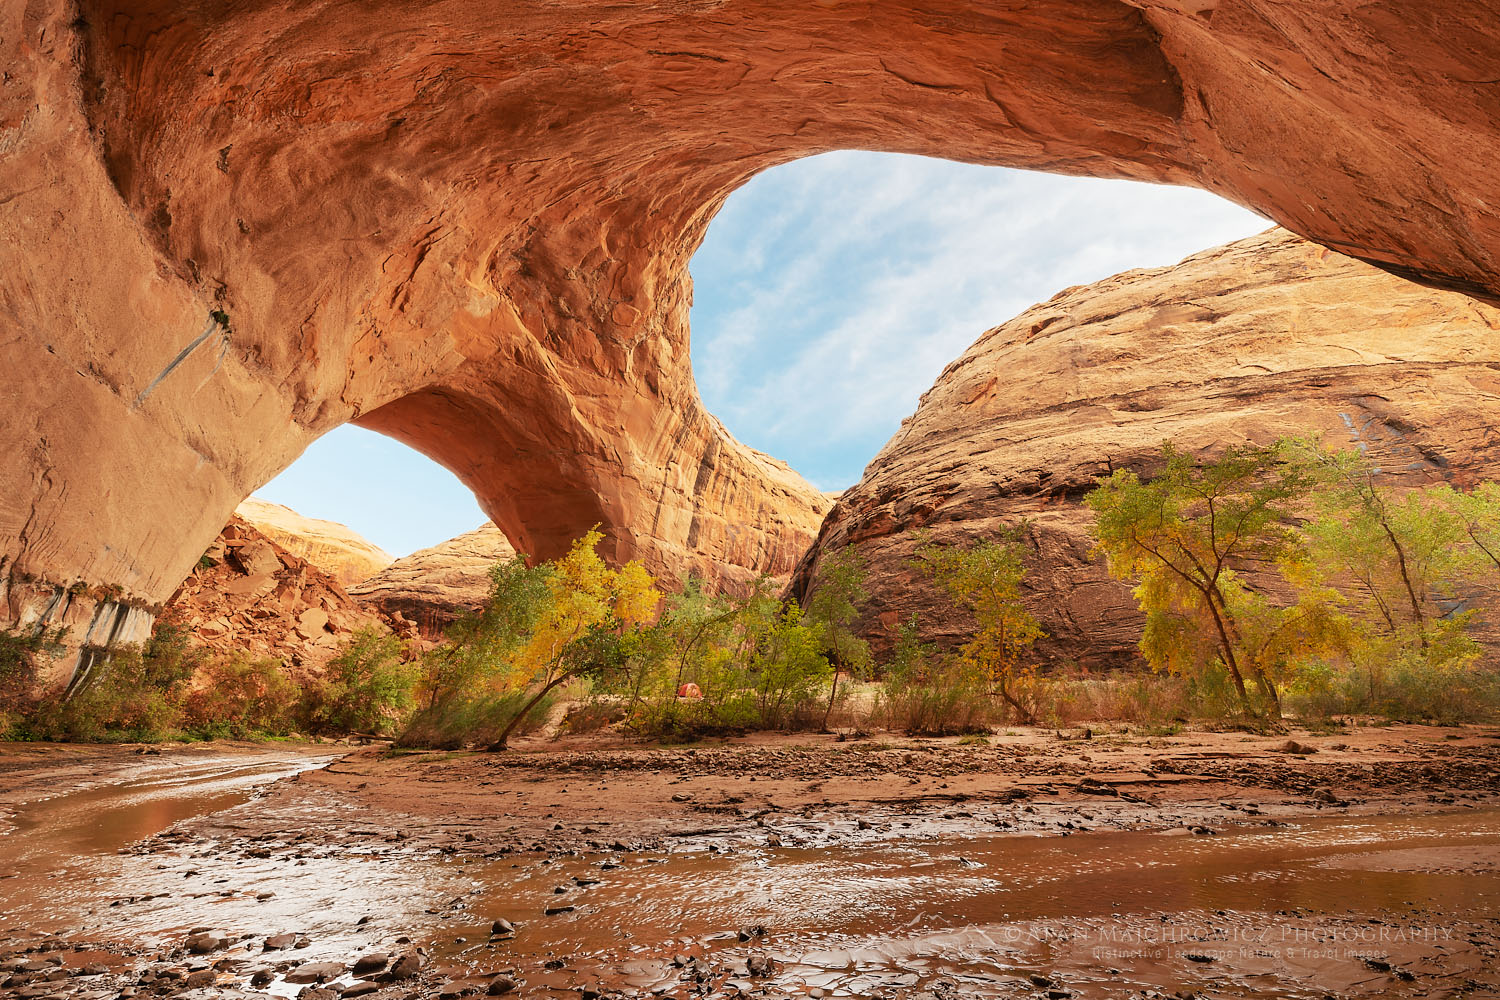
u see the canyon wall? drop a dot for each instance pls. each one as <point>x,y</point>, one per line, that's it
<point>1264,337</point>
<point>249,595</point>
<point>334,548</point>
<point>226,229</point>
<point>433,586</point>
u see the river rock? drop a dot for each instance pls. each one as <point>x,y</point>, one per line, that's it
<point>408,965</point>
<point>760,965</point>
<point>316,972</point>
<point>279,942</point>
<point>366,964</point>
<point>204,942</point>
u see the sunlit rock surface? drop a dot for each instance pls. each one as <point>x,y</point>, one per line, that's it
<point>248,595</point>
<point>433,586</point>
<point>1264,337</point>
<point>226,229</point>
<point>334,548</point>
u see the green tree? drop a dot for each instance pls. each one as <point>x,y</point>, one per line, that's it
<point>986,579</point>
<point>694,630</point>
<point>482,643</point>
<point>788,665</point>
<point>837,598</point>
<point>589,626</point>
<point>1184,536</point>
<point>369,687</point>
<point>1407,555</point>
<point>1478,516</point>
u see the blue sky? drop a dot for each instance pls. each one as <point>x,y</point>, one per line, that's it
<point>829,294</point>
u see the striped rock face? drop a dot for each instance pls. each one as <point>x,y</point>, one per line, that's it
<point>226,229</point>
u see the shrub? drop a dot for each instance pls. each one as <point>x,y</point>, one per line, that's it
<point>127,693</point>
<point>19,652</point>
<point>926,695</point>
<point>1067,697</point>
<point>1409,688</point>
<point>370,687</point>
<point>240,697</point>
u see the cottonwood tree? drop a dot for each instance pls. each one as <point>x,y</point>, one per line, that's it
<point>1478,514</point>
<point>589,624</point>
<point>1185,535</point>
<point>482,644</point>
<point>835,606</point>
<point>1406,555</point>
<point>986,579</point>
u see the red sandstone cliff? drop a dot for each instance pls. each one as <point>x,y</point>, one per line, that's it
<point>433,586</point>
<point>1265,337</point>
<point>226,229</point>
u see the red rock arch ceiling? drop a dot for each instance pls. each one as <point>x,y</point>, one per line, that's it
<point>226,228</point>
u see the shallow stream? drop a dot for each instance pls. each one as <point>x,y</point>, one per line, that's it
<point>1306,909</point>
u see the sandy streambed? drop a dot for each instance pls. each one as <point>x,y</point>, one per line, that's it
<point>887,867</point>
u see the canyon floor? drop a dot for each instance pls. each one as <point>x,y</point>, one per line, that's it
<point>1364,862</point>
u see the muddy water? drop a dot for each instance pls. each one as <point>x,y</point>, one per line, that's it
<point>1303,910</point>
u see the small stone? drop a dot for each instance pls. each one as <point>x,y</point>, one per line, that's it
<point>315,972</point>
<point>361,989</point>
<point>366,964</point>
<point>201,978</point>
<point>206,941</point>
<point>502,928</point>
<point>408,965</point>
<point>760,965</point>
<point>501,985</point>
<point>279,942</point>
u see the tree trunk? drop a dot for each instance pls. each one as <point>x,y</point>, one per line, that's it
<point>515,721</point>
<point>1230,660</point>
<point>832,694</point>
<point>1416,606</point>
<point>1270,692</point>
<point>1021,710</point>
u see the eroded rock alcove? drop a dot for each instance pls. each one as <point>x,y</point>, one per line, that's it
<point>227,228</point>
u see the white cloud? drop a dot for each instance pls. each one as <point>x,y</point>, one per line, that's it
<point>832,291</point>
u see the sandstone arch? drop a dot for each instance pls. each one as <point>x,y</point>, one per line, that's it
<point>227,228</point>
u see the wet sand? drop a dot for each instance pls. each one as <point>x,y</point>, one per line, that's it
<point>1202,864</point>
<point>813,790</point>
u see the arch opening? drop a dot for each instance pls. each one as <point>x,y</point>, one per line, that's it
<point>831,291</point>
